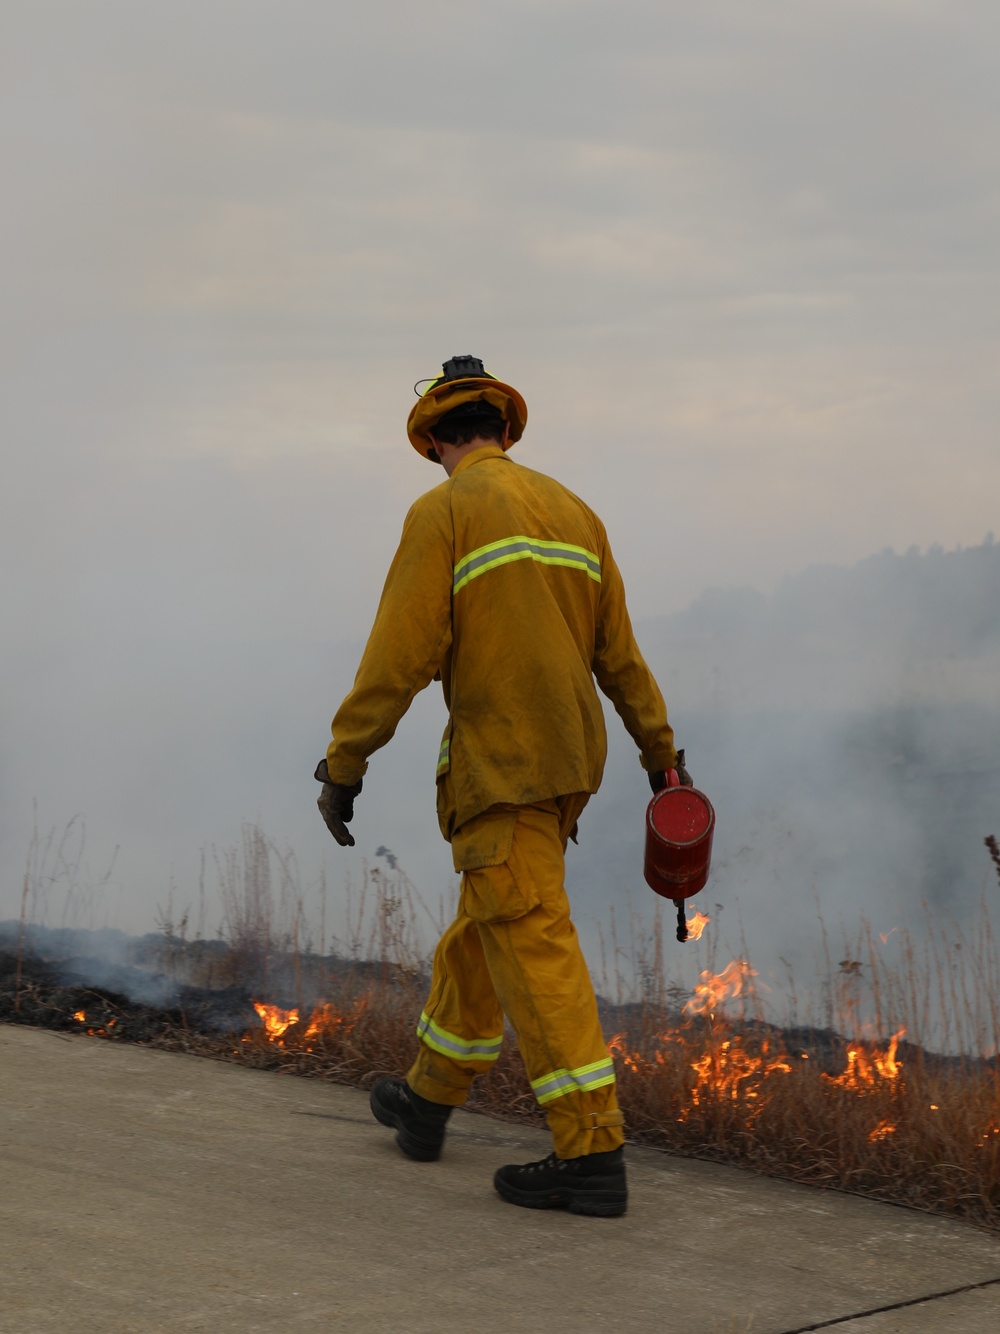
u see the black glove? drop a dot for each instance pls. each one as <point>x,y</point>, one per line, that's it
<point>336,805</point>
<point>658,779</point>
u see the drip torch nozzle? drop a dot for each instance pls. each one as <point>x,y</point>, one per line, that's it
<point>682,926</point>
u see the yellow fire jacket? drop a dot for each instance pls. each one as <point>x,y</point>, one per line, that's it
<point>504,586</point>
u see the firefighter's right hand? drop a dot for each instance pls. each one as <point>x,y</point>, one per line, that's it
<point>336,805</point>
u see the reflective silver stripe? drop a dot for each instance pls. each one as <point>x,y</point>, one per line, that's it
<point>580,1080</point>
<point>459,1049</point>
<point>444,755</point>
<point>524,548</point>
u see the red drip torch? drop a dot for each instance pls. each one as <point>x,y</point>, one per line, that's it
<point>680,822</point>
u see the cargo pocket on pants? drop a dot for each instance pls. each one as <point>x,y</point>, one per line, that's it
<point>497,884</point>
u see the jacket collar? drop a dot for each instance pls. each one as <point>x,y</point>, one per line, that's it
<point>477,456</point>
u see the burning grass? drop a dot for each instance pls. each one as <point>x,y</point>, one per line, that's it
<point>860,1102</point>
<point>883,1119</point>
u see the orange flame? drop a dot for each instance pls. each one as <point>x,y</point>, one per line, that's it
<point>618,1047</point>
<point>733,1068</point>
<point>882,1131</point>
<point>696,924</point>
<point>322,1018</point>
<point>729,1069</point>
<point>730,1072</point>
<point>275,1020</point>
<point>324,1021</point>
<point>714,988</point>
<point>80,1016</point>
<point>867,1067</point>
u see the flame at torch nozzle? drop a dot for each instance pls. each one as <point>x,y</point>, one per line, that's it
<point>689,928</point>
<point>696,925</point>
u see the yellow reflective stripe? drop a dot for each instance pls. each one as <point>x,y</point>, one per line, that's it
<point>444,755</point>
<point>585,1077</point>
<point>524,548</point>
<point>450,1044</point>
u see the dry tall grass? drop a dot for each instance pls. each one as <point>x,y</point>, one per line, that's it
<point>890,1089</point>
<point>858,1102</point>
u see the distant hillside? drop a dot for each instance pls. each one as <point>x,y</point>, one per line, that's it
<point>943,600</point>
<point>892,629</point>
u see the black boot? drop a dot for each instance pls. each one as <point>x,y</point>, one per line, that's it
<point>594,1184</point>
<point>420,1124</point>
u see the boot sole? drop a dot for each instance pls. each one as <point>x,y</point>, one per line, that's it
<point>592,1203</point>
<point>414,1147</point>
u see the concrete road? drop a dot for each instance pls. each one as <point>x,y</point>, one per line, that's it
<point>144,1191</point>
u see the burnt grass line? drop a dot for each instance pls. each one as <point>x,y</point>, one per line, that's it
<point>747,1094</point>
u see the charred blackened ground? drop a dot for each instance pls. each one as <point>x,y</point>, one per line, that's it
<point>156,988</point>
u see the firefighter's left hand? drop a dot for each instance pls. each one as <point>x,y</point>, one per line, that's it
<point>336,805</point>
<point>658,779</point>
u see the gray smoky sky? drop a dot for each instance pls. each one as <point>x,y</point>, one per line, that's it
<point>740,259</point>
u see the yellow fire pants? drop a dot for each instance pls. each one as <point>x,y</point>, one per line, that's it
<point>513,950</point>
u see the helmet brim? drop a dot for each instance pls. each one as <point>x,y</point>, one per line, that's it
<point>441,398</point>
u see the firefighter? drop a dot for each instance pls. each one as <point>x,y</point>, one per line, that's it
<point>504,588</point>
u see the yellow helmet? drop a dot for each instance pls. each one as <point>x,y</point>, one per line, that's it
<point>463,380</point>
